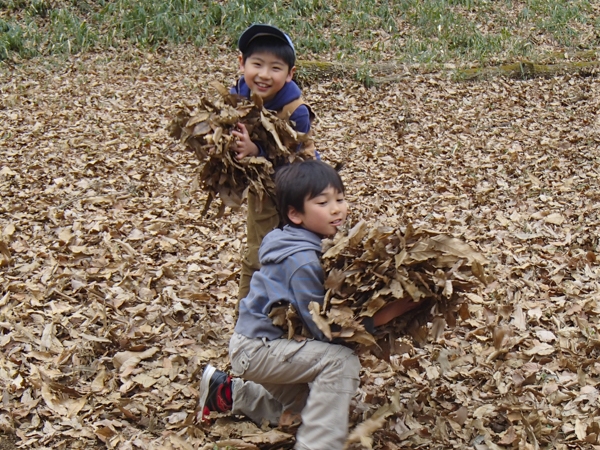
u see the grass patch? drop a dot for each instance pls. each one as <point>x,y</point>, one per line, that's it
<point>562,20</point>
<point>12,40</point>
<point>423,31</point>
<point>68,33</point>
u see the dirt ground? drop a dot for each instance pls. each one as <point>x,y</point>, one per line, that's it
<point>8,442</point>
<point>106,256</point>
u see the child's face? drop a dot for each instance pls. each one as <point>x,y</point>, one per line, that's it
<point>322,214</point>
<point>265,74</point>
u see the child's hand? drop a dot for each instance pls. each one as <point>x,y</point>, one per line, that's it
<point>393,310</point>
<point>243,146</point>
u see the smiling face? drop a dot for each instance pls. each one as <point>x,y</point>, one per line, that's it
<point>322,214</point>
<point>265,74</point>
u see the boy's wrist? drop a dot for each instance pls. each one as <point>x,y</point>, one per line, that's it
<point>259,150</point>
<point>393,310</point>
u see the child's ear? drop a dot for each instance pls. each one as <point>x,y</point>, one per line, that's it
<point>291,74</point>
<point>294,215</point>
<point>241,61</point>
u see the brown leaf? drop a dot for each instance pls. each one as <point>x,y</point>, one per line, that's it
<point>501,334</point>
<point>460,415</point>
<point>540,349</point>
<point>334,280</point>
<point>509,437</point>
<point>319,320</point>
<point>458,248</point>
<point>437,328</point>
<point>127,361</point>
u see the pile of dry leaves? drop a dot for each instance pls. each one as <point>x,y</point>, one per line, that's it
<point>369,266</point>
<point>116,290</point>
<point>206,130</point>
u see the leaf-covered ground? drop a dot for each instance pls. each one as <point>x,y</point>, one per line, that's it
<point>116,290</point>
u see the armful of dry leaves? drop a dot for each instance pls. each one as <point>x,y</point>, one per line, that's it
<point>368,268</point>
<point>206,129</point>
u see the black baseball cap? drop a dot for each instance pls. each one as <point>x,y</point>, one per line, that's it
<point>257,30</point>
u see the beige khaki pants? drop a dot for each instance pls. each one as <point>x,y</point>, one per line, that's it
<point>257,226</point>
<point>276,375</point>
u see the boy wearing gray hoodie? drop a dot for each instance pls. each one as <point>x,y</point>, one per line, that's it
<point>275,372</point>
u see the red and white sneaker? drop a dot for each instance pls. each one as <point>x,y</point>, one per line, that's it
<point>215,391</point>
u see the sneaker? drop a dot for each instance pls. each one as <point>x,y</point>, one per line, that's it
<point>215,391</point>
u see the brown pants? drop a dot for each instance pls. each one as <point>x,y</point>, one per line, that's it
<point>258,224</point>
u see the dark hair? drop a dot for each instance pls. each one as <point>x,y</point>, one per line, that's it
<point>270,44</point>
<point>302,181</point>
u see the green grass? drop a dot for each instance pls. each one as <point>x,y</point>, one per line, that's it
<point>560,19</point>
<point>423,31</point>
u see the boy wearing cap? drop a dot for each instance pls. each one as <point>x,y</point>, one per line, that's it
<point>267,63</point>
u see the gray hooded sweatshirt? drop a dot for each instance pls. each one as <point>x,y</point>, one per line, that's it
<point>290,272</point>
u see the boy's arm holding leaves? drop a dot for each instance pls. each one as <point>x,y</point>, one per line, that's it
<point>244,146</point>
<point>388,313</point>
<point>306,286</point>
<point>392,310</point>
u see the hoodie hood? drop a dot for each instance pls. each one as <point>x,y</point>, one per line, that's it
<point>288,93</point>
<point>279,244</point>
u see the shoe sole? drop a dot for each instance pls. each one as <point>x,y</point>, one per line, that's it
<point>205,386</point>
